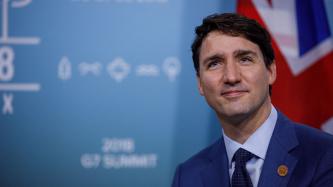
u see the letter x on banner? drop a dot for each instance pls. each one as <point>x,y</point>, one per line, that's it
<point>303,46</point>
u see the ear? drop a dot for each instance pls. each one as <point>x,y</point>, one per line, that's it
<point>200,85</point>
<point>272,73</point>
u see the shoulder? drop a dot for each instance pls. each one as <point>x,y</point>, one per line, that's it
<point>203,157</point>
<point>189,172</point>
<point>312,144</point>
<point>313,150</point>
<point>317,151</point>
<point>308,136</point>
<point>305,134</point>
<point>315,146</point>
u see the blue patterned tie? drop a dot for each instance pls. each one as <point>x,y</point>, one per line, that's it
<point>240,177</point>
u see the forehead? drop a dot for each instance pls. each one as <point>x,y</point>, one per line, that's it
<point>217,43</point>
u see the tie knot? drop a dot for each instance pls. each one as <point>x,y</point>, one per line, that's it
<point>242,156</point>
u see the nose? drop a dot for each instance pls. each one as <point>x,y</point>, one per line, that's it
<point>231,74</point>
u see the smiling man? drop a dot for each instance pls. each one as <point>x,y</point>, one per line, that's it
<point>235,66</point>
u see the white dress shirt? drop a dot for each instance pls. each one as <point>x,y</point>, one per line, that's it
<point>257,144</point>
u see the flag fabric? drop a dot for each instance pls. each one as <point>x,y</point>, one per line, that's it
<point>303,46</point>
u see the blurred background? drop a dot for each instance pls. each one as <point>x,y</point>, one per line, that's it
<point>103,92</point>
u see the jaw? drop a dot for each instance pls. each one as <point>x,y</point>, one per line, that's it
<point>242,110</point>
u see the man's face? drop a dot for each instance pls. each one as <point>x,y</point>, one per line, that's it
<point>233,76</point>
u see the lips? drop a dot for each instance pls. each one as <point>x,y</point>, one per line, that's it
<point>233,93</point>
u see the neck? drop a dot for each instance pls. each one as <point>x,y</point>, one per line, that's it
<point>240,128</point>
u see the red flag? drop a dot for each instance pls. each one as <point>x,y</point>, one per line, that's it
<point>304,57</point>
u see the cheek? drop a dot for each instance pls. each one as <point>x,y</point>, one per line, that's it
<point>260,80</point>
<point>210,82</point>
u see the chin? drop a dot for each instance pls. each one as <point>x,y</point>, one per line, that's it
<point>235,113</point>
<point>235,108</point>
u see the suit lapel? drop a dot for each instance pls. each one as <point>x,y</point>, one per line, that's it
<point>216,174</point>
<point>282,142</point>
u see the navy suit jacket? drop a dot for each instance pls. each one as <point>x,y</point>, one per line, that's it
<point>307,153</point>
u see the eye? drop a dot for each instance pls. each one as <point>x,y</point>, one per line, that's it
<point>213,64</point>
<point>246,60</point>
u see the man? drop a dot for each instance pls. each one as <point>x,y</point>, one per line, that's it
<point>235,67</point>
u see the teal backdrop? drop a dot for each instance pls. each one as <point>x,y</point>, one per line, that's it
<point>100,93</point>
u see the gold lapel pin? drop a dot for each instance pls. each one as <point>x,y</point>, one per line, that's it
<point>282,170</point>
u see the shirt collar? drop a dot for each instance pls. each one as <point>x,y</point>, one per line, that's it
<point>263,135</point>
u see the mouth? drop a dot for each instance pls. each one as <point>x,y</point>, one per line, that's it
<point>231,94</point>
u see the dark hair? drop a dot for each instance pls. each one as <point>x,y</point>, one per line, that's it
<point>234,25</point>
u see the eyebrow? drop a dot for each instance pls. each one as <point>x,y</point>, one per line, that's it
<point>240,53</point>
<point>213,57</point>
